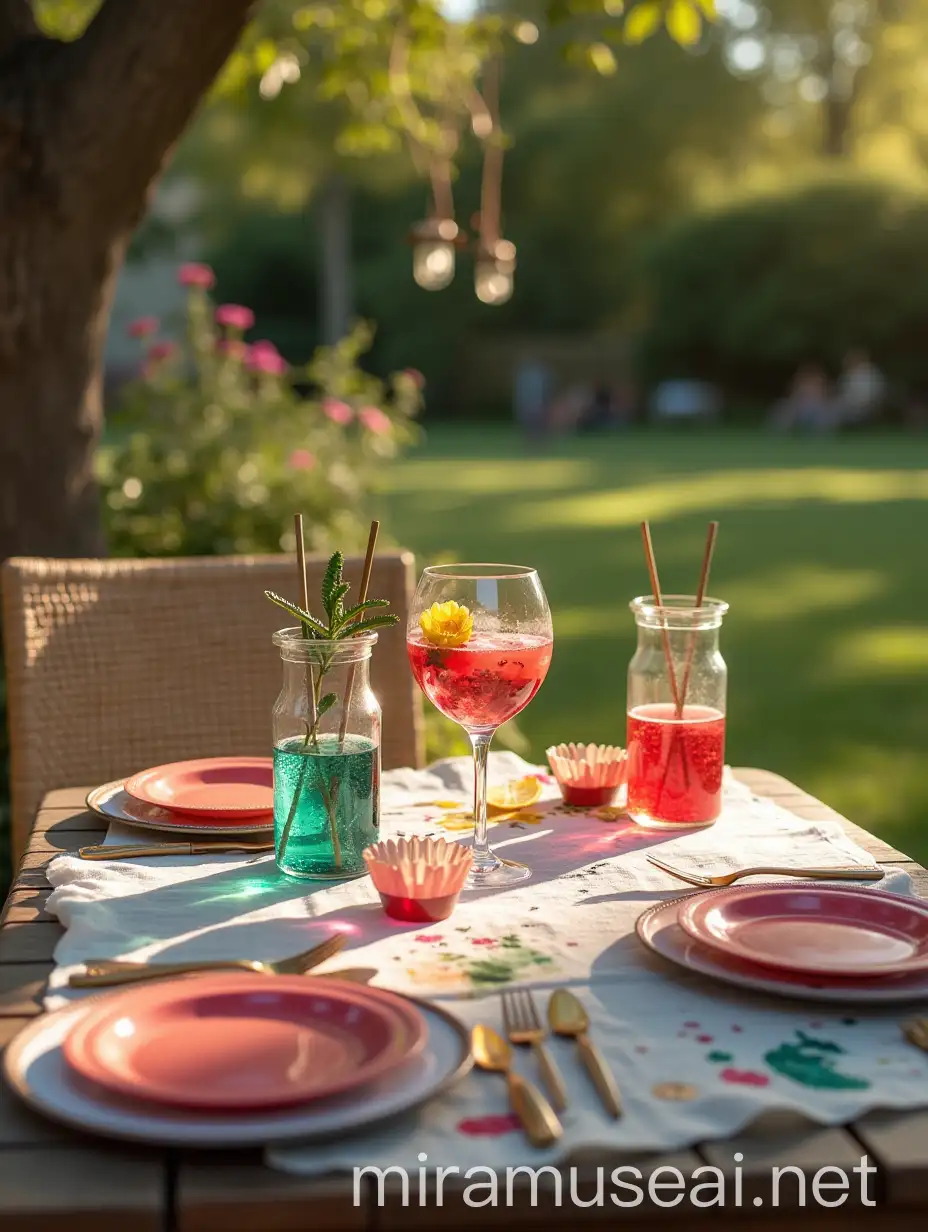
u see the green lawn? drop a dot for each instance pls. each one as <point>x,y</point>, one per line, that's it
<point>820,554</point>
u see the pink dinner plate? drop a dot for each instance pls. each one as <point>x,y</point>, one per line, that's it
<point>218,788</point>
<point>816,929</point>
<point>240,1042</point>
<point>659,929</point>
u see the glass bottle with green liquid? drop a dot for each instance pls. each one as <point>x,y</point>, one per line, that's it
<point>326,756</point>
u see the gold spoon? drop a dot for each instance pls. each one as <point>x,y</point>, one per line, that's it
<point>567,1016</point>
<point>539,1120</point>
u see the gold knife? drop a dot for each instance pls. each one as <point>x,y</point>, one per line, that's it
<point>568,1016</point>
<point>130,851</point>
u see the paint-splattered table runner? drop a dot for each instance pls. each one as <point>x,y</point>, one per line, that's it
<point>574,920</point>
<point>694,1060</point>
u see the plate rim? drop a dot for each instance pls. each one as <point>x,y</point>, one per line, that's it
<point>398,1051</point>
<point>222,812</point>
<point>216,830</point>
<point>19,1085</point>
<point>920,966</point>
<point>765,981</point>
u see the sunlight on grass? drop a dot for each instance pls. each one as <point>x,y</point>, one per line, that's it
<point>793,592</point>
<point>471,477</point>
<point>719,491</point>
<point>900,650</point>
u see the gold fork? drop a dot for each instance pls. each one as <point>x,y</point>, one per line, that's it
<point>105,972</point>
<point>523,1026</point>
<point>859,873</point>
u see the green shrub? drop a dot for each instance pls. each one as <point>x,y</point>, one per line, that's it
<point>218,442</point>
<point>743,296</point>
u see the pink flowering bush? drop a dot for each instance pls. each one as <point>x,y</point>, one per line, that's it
<point>220,440</point>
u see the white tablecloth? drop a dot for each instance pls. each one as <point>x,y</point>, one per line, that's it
<point>572,923</point>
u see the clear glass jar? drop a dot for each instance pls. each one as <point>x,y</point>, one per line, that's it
<point>326,756</point>
<point>676,718</point>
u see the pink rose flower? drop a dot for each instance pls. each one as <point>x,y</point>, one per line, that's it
<point>265,357</point>
<point>232,348</point>
<point>161,350</point>
<point>301,460</point>
<point>483,941</point>
<point>142,327</point>
<point>338,412</point>
<point>193,274</point>
<point>375,420</point>
<point>415,376</point>
<point>235,316</point>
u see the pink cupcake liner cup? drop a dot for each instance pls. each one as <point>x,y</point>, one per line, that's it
<point>589,775</point>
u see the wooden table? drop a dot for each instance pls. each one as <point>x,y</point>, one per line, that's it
<point>47,1172</point>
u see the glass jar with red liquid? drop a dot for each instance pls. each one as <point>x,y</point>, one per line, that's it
<point>677,684</point>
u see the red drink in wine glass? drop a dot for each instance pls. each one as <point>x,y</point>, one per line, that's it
<point>480,642</point>
<point>485,682</point>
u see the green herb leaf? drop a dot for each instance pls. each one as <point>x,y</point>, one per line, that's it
<point>314,627</point>
<point>325,703</point>
<point>373,622</point>
<point>338,600</point>
<point>360,607</point>
<point>331,583</point>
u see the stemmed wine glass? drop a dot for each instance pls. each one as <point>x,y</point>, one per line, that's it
<point>480,642</point>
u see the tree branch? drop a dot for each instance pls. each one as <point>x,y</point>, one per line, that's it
<point>16,23</point>
<point>137,76</point>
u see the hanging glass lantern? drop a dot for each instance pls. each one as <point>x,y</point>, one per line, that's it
<point>494,272</point>
<point>433,253</point>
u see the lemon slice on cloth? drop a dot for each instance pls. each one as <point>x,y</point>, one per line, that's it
<point>516,794</point>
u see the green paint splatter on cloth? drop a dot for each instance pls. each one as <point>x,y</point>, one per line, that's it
<point>811,1064</point>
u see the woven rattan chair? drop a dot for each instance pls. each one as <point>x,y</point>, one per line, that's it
<point>114,665</point>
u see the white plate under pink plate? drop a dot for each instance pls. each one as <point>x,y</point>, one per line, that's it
<point>816,929</point>
<point>659,930</point>
<point>35,1068</point>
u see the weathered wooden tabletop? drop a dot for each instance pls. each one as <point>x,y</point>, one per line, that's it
<point>48,1173</point>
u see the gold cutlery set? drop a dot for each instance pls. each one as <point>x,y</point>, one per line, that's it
<point>567,1017</point>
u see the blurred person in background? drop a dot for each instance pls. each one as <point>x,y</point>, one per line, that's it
<point>532,394</point>
<point>809,406</point>
<point>685,401</point>
<point>861,390</point>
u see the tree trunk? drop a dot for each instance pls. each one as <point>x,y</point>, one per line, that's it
<point>85,128</point>
<point>50,390</point>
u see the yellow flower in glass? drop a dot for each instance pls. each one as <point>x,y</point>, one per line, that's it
<point>447,624</point>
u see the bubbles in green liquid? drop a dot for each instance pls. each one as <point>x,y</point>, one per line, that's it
<point>326,784</point>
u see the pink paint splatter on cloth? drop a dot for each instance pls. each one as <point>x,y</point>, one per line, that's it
<point>489,1126</point>
<point>744,1077</point>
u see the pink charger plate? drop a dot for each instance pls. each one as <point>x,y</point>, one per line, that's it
<point>211,788</point>
<point>234,1042</point>
<point>817,930</point>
